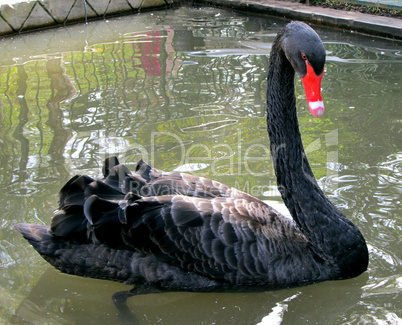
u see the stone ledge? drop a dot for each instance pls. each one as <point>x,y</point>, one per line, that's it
<point>28,15</point>
<point>355,21</point>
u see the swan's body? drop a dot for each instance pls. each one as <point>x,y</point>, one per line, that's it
<point>182,232</point>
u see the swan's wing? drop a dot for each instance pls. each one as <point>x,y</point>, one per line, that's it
<point>223,238</point>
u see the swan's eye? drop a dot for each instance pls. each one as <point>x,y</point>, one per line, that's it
<point>304,57</point>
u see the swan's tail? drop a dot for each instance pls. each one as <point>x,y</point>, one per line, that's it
<point>41,238</point>
<point>88,260</point>
<point>36,235</point>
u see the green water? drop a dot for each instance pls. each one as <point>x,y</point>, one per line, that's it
<point>185,90</point>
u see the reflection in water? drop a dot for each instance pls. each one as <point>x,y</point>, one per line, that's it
<point>23,119</point>
<point>188,91</point>
<point>278,312</point>
<point>62,89</point>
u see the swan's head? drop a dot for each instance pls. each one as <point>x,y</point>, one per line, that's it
<point>305,51</point>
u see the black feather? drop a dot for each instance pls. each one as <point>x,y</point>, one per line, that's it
<point>72,192</point>
<point>71,224</point>
<point>116,176</point>
<point>143,169</point>
<point>108,166</point>
<point>103,191</point>
<point>185,214</point>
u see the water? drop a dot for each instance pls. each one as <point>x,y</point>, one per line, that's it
<point>185,90</point>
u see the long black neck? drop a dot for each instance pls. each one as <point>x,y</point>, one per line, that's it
<point>320,221</point>
<point>293,172</point>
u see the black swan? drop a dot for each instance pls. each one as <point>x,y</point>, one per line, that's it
<point>174,231</point>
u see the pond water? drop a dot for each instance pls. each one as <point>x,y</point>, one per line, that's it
<point>185,90</point>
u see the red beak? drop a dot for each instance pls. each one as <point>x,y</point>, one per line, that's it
<point>312,87</point>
